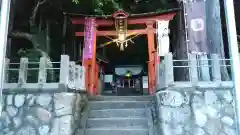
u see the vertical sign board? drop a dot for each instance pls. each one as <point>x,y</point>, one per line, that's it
<point>163,46</point>
<point>88,38</point>
<point>4,20</point>
<point>196,26</point>
<point>197,34</point>
<point>163,38</point>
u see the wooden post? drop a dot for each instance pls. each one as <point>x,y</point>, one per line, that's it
<point>151,51</point>
<point>93,64</point>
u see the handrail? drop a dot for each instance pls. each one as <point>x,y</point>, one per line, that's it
<point>165,71</point>
<point>71,76</point>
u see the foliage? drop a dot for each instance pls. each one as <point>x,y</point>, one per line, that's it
<point>106,7</point>
<point>31,54</point>
<point>41,9</point>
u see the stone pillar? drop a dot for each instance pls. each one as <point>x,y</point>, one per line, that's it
<point>42,73</point>
<point>163,47</point>
<point>72,75</point>
<point>22,77</point>
<point>161,73</point>
<point>168,60</point>
<point>64,71</point>
<point>80,78</point>
<point>166,72</point>
<point>204,67</point>
<point>86,64</point>
<point>6,73</point>
<point>216,72</point>
<point>193,69</point>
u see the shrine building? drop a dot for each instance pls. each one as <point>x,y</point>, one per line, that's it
<point>121,29</point>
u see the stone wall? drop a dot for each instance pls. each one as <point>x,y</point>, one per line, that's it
<point>196,112</point>
<point>41,113</point>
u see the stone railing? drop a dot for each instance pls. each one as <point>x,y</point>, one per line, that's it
<point>71,76</point>
<point>33,105</point>
<point>195,107</point>
<point>165,76</point>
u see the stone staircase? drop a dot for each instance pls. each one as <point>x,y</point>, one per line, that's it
<point>114,115</point>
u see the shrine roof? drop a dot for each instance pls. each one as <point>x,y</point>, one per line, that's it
<point>140,15</point>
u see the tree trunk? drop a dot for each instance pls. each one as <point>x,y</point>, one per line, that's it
<point>27,36</point>
<point>214,33</point>
<point>64,34</point>
<point>179,47</point>
<point>11,22</point>
<point>37,50</point>
<point>48,38</point>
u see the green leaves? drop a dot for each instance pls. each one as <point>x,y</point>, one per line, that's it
<point>107,7</point>
<point>75,1</point>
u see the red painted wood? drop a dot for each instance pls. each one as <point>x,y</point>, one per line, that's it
<point>151,53</point>
<point>96,90</point>
<point>133,20</point>
<point>93,65</point>
<point>114,33</point>
<point>120,12</point>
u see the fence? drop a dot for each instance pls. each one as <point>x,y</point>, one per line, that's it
<point>67,76</point>
<point>212,68</point>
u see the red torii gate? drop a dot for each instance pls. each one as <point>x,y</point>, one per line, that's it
<point>149,20</point>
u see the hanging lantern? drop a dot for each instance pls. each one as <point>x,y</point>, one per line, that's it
<point>120,19</point>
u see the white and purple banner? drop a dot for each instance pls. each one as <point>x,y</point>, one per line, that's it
<point>88,37</point>
<point>196,26</point>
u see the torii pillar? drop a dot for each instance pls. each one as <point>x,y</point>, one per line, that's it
<point>93,76</point>
<point>90,61</point>
<point>151,55</point>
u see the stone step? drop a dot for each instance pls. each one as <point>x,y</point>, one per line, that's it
<point>117,122</point>
<point>116,131</point>
<point>116,113</point>
<point>121,98</point>
<point>98,105</point>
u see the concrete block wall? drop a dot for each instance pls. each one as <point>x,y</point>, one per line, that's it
<point>41,113</point>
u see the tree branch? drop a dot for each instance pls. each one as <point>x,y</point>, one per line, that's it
<point>35,11</point>
<point>27,36</point>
